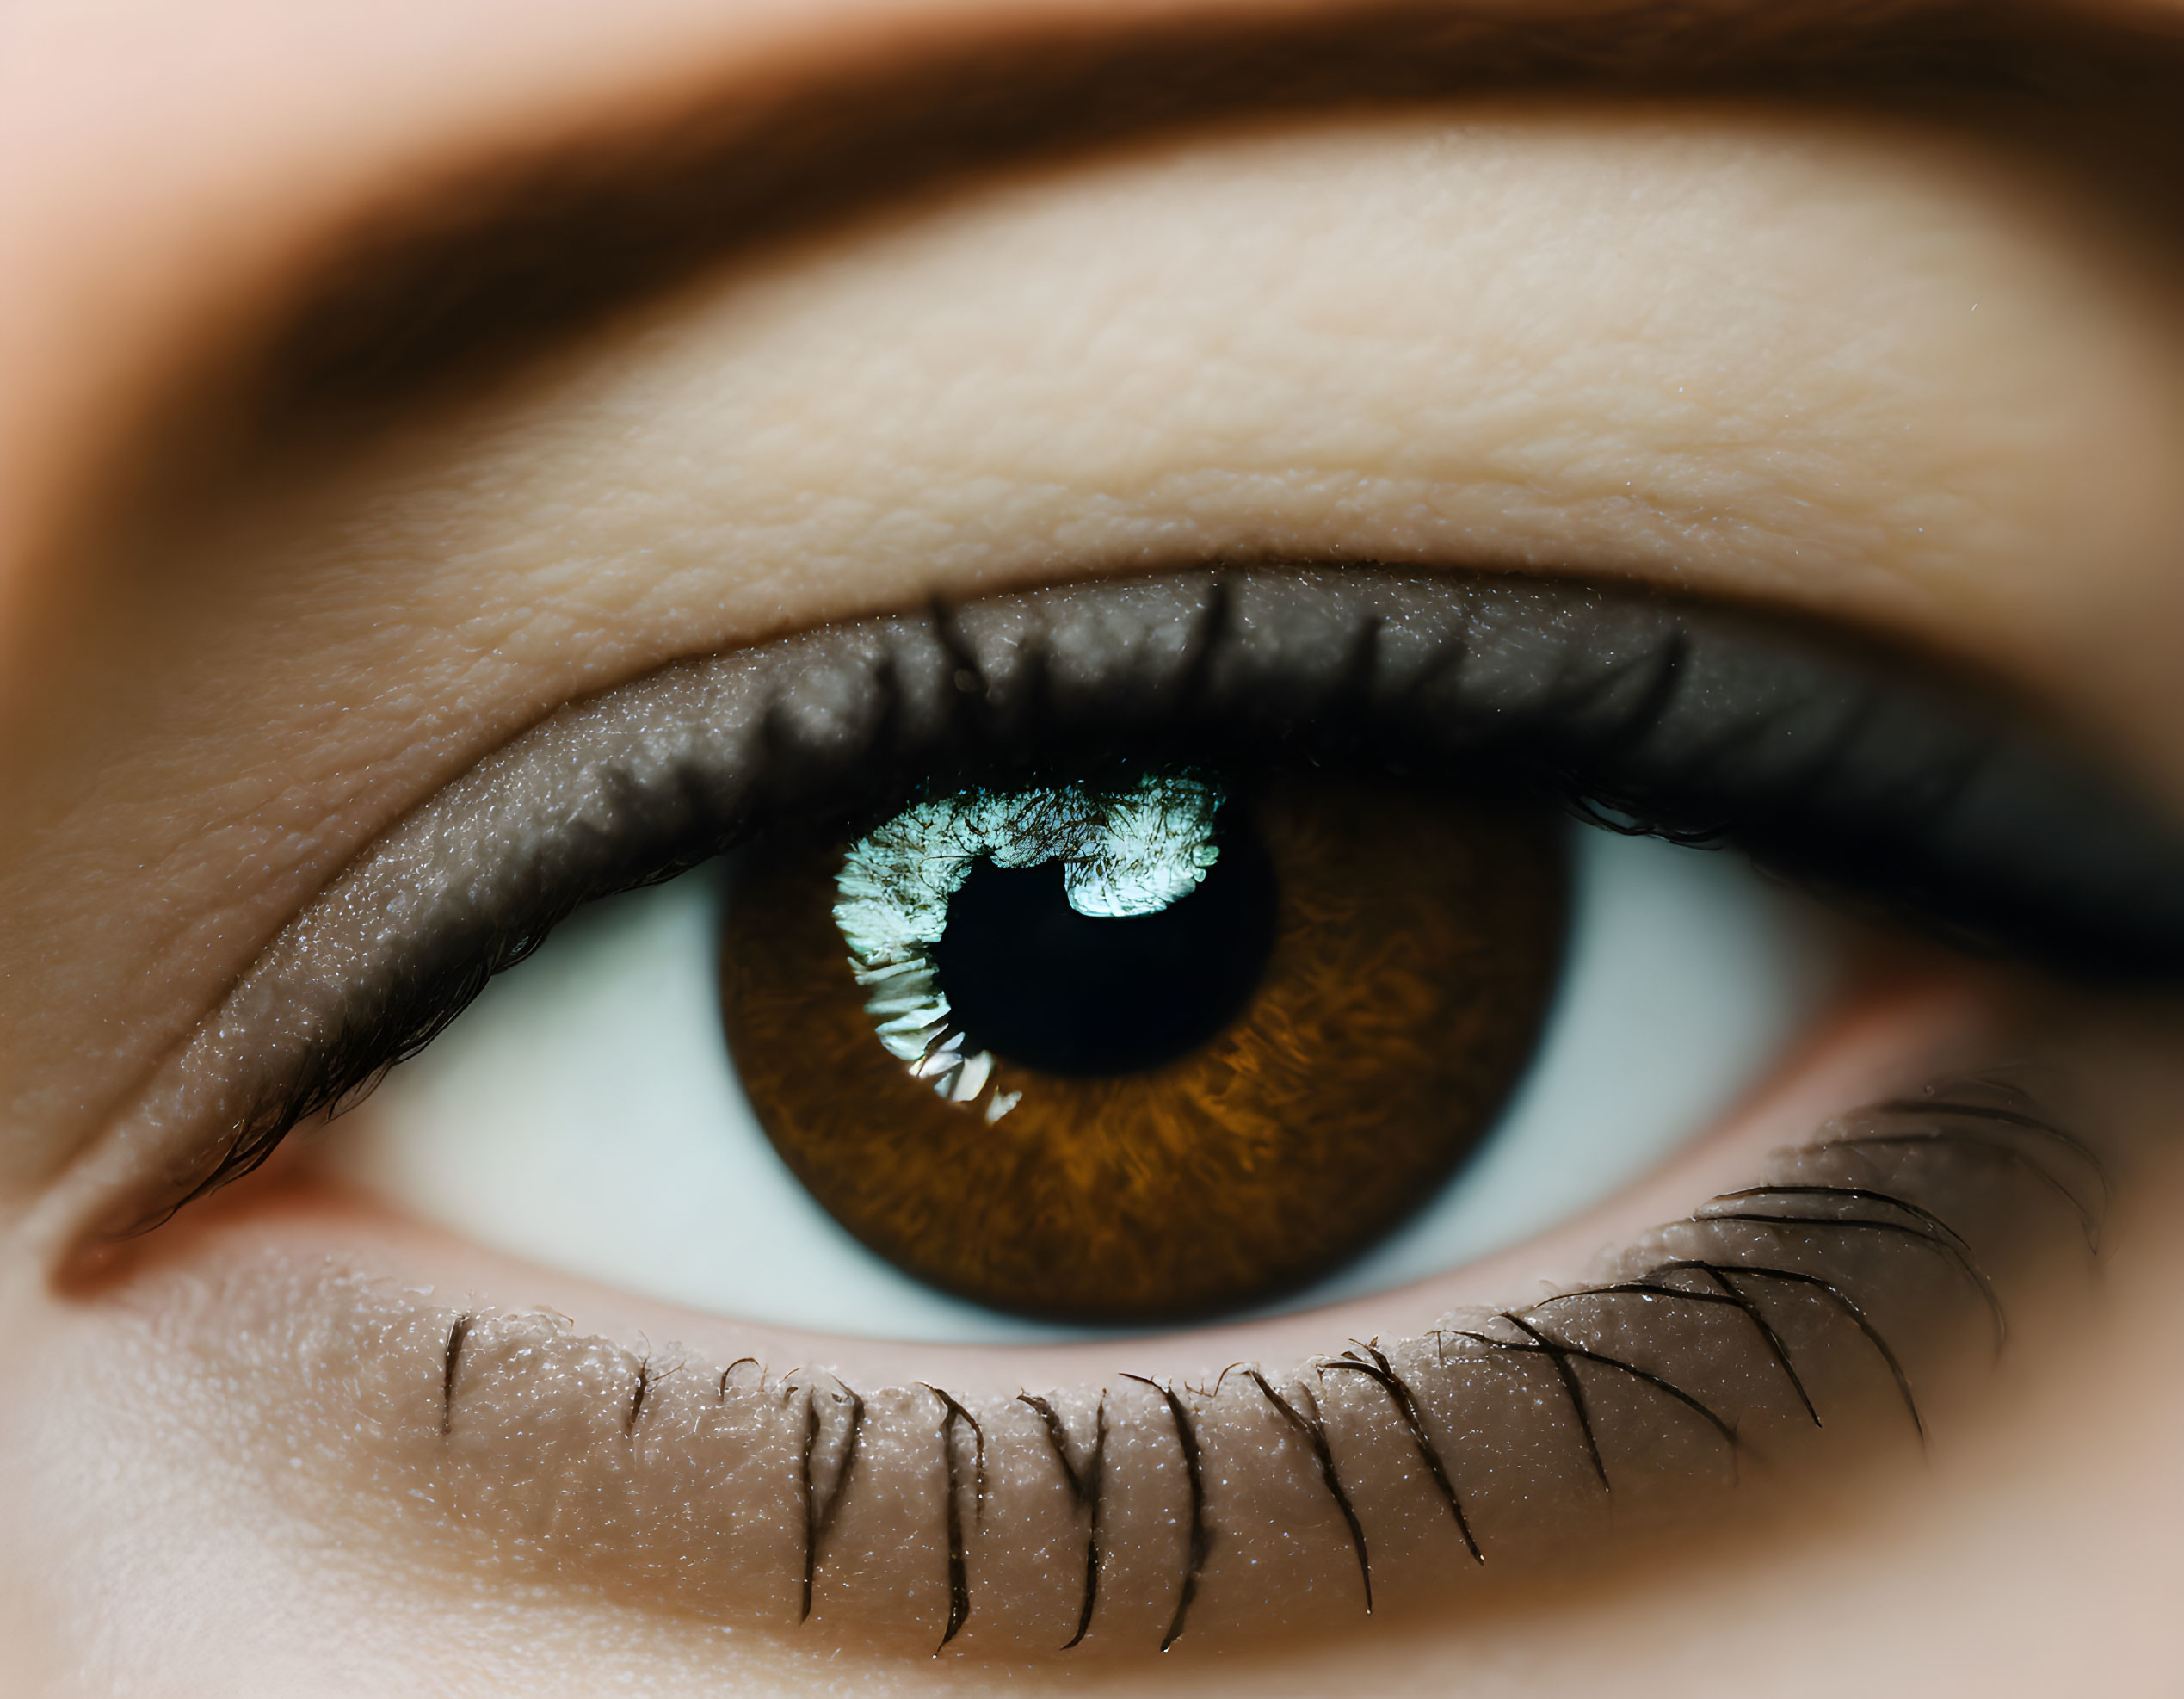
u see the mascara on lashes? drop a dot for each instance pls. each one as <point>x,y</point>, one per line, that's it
<point>1818,754</point>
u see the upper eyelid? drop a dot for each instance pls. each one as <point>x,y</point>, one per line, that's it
<point>1699,716</point>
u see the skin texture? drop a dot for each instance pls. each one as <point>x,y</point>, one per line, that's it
<point>676,488</point>
<point>1915,365</point>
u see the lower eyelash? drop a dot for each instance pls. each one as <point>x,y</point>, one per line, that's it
<point>1103,1517</point>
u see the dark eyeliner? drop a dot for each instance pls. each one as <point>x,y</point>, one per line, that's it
<point>1941,804</point>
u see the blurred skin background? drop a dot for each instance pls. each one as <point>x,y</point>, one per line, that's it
<point>372,381</point>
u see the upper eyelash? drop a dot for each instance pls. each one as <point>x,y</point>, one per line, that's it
<point>1696,722</point>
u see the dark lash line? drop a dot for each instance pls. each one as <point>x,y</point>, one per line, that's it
<point>1197,672</point>
<point>1944,1238</point>
<point>954,1413</point>
<point>1559,1350</point>
<point>1380,1372</point>
<point>1844,1303</point>
<point>1845,737</point>
<point>1935,1239</point>
<point>1655,701</point>
<point>959,1571</point>
<point>1731,1298</point>
<point>2018,1118</point>
<point>1086,1485</point>
<point>2042,853</point>
<point>810,1515</point>
<point>1095,1489</point>
<point>1918,1234</point>
<point>457,1332</point>
<point>962,659</point>
<point>2088,1222</point>
<point>1573,1388</point>
<point>1055,1437</point>
<point>1084,1489</point>
<point>1201,1539</point>
<point>1856,1195</point>
<point>1776,1348</point>
<point>1314,1432</point>
<point>818,1517</point>
<point>1353,690</point>
<point>2023,1122</point>
<point>1951,1244</point>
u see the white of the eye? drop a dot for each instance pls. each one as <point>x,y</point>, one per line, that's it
<point>584,1113</point>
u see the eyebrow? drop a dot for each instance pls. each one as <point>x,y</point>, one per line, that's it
<point>502,257</point>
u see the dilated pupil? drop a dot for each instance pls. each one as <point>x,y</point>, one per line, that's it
<point>1039,985</point>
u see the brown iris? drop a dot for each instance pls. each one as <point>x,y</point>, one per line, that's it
<point>1187,1110</point>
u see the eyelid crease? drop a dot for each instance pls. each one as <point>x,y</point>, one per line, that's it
<point>1702,723</point>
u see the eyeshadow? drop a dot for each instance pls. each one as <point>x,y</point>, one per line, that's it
<point>1935,801</point>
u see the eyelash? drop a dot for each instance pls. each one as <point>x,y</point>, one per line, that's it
<point>1816,1294</point>
<point>1839,766</point>
<point>1750,1322</point>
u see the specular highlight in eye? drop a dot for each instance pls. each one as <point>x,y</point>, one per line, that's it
<point>1036,980</point>
<point>1155,1047</point>
<point>1062,925</point>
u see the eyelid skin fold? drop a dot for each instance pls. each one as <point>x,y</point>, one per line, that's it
<point>1822,758</point>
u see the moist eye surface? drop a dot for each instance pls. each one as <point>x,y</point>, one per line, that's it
<point>1294,1007</point>
<point>986,906</point>
<point>1940,803</point>
<point>1133,741</point>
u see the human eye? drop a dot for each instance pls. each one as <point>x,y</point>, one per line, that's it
<point>1368,946</point>
<point>1581,956</point>
<point>967,942</point>
<point>1369,891</point>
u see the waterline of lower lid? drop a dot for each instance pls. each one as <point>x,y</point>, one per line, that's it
<point>1152,1513</point>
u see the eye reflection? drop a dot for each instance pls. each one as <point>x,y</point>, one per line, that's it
<point>1034,981</point>
<point>1084,928</point>
<point>585,1113</point>
<point>1123,1117</point>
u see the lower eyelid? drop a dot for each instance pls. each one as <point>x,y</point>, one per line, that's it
<point>669,1481</point>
